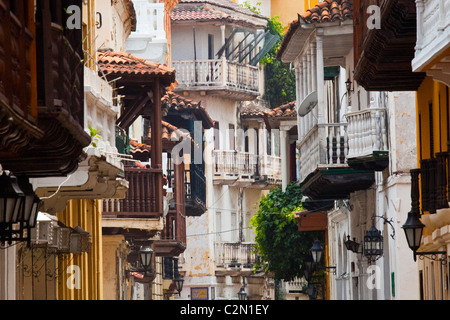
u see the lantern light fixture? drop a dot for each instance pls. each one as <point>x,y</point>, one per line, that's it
<point>242,294</point>
<point>317,253</point>
<point>373,244</point>
<point>145,256</point>
<point>413,228</point>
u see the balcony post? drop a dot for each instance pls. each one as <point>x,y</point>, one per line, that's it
<point>320,77</point>
<point>284,149</point>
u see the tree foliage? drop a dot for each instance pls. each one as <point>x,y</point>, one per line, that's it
<point>280,80</point>
<point>282,247</point>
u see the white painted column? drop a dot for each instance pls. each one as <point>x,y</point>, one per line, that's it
<point>284,153</point>
<point>320,78</point>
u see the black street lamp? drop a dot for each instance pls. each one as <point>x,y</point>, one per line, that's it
<point>413,228</point>
<point>28,216</point>
<point>11,199</point>
<point>373,244</point>
<point>146,255</point>
<point>352,245</point>
<point>178,280</point>
<point>242,294</point>
<point>316,251</point>
<point>11,202</point>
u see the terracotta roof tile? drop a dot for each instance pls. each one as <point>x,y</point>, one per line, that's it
<point>118,63</point>
<point>216,10</point>
<point>170,133</point>
<point>288,110</point>
<point>179,103</point>
<point>329,10</point>
<point>325,11</point>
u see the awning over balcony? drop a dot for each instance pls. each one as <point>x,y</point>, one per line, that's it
<point>329,183</point>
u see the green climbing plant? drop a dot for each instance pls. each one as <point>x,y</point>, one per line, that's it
<point>283,249</point>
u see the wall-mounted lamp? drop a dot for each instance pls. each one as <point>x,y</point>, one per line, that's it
<point>352,245</point>
<point>413,228</point>
<point>317,252</point>
<point>145,257</point>
<point>18,204</point>
<point>349,86</point>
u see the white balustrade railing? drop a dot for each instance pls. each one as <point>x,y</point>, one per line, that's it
<point>217,73</point>
<point>367,132</point>
<point>235,254</point>
<point>270,166</point>
<point>433,29</point>
<point>150,19</point>
<point>232,163</point>
<point>324,145</point>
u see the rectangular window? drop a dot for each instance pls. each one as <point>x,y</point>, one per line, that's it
<point>216,136</point>
<point>210,47</point>
<point>231,137</point>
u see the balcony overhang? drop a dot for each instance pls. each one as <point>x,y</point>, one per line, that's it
<point>432,53</point>
<point>334,183</point>
<point>97,177</point>
<point>137,228</point>
<point>383,55</point>
<point>169,248</point>
<point>374,161</point>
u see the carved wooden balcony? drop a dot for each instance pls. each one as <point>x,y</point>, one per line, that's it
<point>430,184</point>
<point>395,38</point>
<point>18,109</point>
<point>60,101</point>
<point>143,199</point>
<point>173,237</point>
<point>239,81</point>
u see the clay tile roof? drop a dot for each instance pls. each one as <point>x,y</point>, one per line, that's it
<point>252,110</point>
<point>329,10</point>
<point>325,11</point>
<point>116,63</point>
<point>288,110</point>
<point>177,103</point>
<point>216,10</point>
<point>170,133</point>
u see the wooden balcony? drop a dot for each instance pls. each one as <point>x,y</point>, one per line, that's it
<point>222,77</point>
<point>367,139</point>
<point>144,197</point>
<point>173,237</point>
<point>58,76</point>
<point>233,258</point>
<point>396,39</point>
<point>324,172</point>
<point>18,111</point>
<point>195,187</point>
<point>431,184</point>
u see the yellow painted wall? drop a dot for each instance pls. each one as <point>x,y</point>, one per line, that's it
<point>435,94</point>
<point>288,10</point>
<point>87,215</point>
